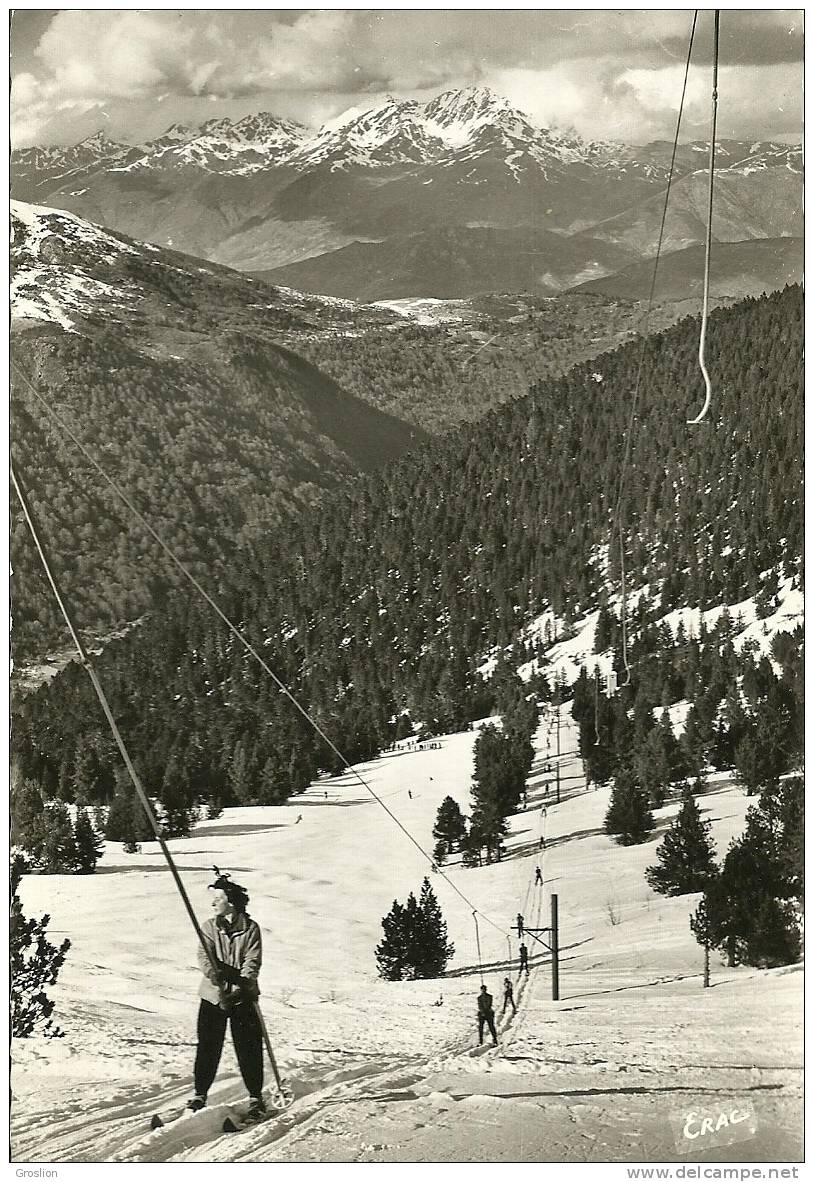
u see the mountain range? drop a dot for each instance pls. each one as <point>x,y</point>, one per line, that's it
<point>263,193</point>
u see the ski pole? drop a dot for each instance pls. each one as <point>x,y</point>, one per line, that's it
<point>267,1041</point>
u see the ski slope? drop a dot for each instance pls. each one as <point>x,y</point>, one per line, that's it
<point>381,1073</point>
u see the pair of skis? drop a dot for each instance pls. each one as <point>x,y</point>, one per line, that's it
<point>282,1097</point>
<point>231,1124</point>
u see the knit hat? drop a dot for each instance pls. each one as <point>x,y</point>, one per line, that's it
<point>237,895</point>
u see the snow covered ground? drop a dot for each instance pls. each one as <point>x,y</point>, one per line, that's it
<point>379,1072</point>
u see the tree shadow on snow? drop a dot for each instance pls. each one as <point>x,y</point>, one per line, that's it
<point>123,868</point>
<point>238,830</point>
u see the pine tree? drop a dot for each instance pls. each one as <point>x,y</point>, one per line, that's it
<point>177,820</point>
<point>34,964</point>
<point>686,855</point>
<point>432,949</point>
<point>59,854</point>
<point>751,910</point>
<point>27,809</point>
<point>392,952</point>
<point>450,825</point>
<point>89,845</point>
<point>126,821</point>
<point>415,941</point>
<point>628,817</point>
<point>652,766</point>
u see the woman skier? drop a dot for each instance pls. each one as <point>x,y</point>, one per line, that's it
<point>229,994</point>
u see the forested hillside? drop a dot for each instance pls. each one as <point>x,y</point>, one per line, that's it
<point>214,450</point>
<point>480,352</point>
<point>386,600</point>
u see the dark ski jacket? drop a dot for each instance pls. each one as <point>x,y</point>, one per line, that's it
<point>484,1004</point>
<point>238,947</point>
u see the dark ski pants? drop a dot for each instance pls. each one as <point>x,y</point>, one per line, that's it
<point>509,1001</point>
<point>247,1039</point>
<point>487,1019</point>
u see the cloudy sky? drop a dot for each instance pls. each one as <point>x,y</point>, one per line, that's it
<point>604,73</point>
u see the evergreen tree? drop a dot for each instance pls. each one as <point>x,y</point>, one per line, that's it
<point>450,825</point>
<point>439,852</point>
<point>628,818</point>
<point>651,764</point>
<point>177,820</point>
<point>415,942</point>
<point>686,855</point>
<point>26,815</point>
<point>89,845</point>
<point>393,952</point>
<point>126,821</point>
<point>432,950</point>
<point>473,842</point>
<point>34,964</point>
<point>751,910</point>
<point>58,854</point>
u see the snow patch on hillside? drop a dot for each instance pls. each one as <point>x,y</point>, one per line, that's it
<point>39,222</point>
<point>427,310</point>
<point>567,657</point>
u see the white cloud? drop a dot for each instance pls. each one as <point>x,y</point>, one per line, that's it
<point>613,74</point>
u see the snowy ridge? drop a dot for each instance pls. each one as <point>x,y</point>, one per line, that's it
<point>65,269</point>
<point>219,145</point>
<point>41,237</point>
<point>455,127</point>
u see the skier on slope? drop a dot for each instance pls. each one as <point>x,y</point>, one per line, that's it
<point>524,958</point>
<point>508,997</point>
<point>538,876</point>
<point>519,926</point>
<point>486,1015</point>
<point>228,996</point>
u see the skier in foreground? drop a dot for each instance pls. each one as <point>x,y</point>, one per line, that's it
<point>229,995</point>
<point>486,1015</point>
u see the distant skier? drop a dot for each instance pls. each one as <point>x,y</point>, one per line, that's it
<point>299,818</point>
<point>409,793</point>
<point>508,997</point>
<point>538,876</point>
<point>524,958</point>
<point>228,995</point>
<point>486,1015</point>
<point>544,812</point>
<point>326,795</point>
<point>542,842</point>
<point>520,927</point>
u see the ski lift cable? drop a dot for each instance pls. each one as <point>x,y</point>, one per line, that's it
<point>94,678</point>
<point>708,245</point>
<point>617,517</point>
<point>241,638</point>
<point>142,795</point>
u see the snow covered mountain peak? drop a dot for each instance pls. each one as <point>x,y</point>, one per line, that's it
<point>471,104</point>
<point>98,142</point>
<point>390,133</point>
